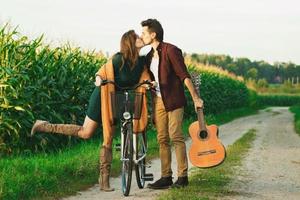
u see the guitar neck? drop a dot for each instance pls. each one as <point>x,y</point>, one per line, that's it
<point>201,120</point>
<point>196,81</point>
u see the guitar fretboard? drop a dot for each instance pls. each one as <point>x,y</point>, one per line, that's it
<point>196,80</point>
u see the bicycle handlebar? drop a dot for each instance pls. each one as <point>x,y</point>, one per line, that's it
<point>145,82</point>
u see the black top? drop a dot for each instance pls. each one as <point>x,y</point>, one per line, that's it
<point>124,76</point>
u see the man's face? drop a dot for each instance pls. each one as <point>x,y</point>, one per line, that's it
<point>147,37</point>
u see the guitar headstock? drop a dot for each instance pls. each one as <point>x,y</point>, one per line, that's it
<point>196,80</point>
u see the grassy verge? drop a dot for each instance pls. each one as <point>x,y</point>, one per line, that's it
<point>49,176</point>
<point>278,99</point>
<point>212,183</point>
<point>230,115</point>
<point>296,111</point>
<point>44,175</point>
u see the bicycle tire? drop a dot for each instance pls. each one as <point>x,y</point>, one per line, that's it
<point>140,168</point>
<point>127,164</point>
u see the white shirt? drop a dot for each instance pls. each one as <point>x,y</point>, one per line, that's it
<point>145,50</point>
<point>154,70</point>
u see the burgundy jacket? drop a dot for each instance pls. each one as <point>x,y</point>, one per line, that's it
<point>171,74</point>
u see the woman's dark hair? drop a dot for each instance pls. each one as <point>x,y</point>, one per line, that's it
<point>154,26</point>
<point>128,49</point>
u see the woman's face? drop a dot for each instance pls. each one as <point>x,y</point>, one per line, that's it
<point>139,42</point>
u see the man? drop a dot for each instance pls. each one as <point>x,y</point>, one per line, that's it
<point>167,67</point>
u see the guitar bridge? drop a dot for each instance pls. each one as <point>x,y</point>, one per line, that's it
<point>203,153</point>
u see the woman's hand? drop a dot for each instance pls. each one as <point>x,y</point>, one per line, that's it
<point>98,81</point>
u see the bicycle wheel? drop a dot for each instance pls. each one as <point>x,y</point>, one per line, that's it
<point>140,168</point>
<point>127,160</point>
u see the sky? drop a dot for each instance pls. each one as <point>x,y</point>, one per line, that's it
<point>257,29</point>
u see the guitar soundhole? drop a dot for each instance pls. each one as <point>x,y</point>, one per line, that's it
<point>203,134</point>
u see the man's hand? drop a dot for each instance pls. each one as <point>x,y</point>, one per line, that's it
<point>198,103</point>
<point>153,85</point>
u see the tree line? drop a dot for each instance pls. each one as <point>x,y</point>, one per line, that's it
<point>279,72</point>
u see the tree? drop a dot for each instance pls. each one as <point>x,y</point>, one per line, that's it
<point>251,73</point>
<point>262,83</point>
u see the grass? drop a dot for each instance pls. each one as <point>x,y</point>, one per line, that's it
<point>54,175</point>
<point>278,100</point>
<point>213,183</point>
<point>296,111</point>
<point>229,115</point>
<point>283,89</point>
<point>45,175</point>
<point>49,176</point>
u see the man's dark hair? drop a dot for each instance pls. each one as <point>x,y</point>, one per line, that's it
<point>154,26</point>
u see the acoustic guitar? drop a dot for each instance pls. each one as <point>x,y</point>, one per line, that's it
<point>206,149</point>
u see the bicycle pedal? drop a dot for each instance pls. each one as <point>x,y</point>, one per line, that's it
<point>147,166</point>
<point>118,147</point>
<point>148,177</point>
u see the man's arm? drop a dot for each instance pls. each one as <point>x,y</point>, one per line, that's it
<point>176,58</point>
<point>180,69</point>
<point>198,102</point>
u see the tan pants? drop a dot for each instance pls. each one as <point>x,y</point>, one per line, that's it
<point>169,126</point>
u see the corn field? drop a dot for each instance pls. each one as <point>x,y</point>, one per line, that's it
<point>39,82</point>
<point>220,90</point>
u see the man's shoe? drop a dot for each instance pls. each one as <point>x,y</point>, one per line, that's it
<point>181,182</point>
<point>162,183</point>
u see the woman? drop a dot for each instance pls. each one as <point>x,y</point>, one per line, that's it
<point>127,69</point>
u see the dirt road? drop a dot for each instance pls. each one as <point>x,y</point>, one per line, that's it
<point>271,171</point>
<point>272,168</point>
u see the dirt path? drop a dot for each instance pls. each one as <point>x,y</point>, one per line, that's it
<point>272,168</point>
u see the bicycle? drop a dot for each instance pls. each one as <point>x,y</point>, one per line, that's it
<point>133,147</point>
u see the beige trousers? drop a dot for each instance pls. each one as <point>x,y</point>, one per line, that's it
<point>169,127</point>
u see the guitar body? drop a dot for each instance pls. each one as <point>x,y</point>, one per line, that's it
<point>206,149</point>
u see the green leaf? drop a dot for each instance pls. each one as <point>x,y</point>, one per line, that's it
<point>19,108</point>
<point>5,106</point>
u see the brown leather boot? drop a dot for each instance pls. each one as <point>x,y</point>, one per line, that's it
<point>65,129</point>
<point>105,165</point>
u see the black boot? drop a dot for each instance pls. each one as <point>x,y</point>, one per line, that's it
<point>162,183</point>
<point>181,182</point>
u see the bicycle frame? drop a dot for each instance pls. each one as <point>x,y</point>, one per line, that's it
<point>124,122</point>
<point>136,161</point>
<point>136,157</point>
